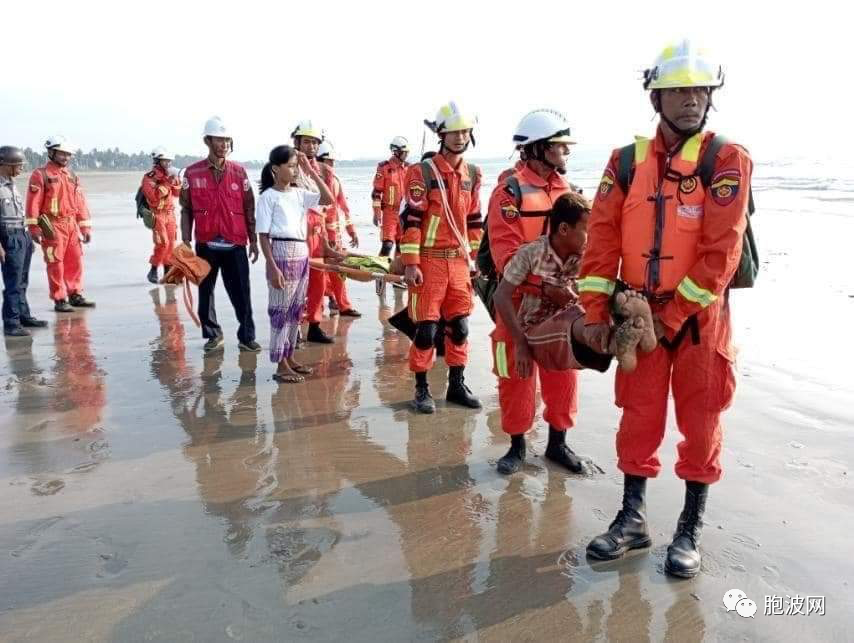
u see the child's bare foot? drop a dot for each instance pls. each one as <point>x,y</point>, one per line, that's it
<point>631,304</point>
<point>285,374</point>
<point>296,367</point>
<point>625,341</point>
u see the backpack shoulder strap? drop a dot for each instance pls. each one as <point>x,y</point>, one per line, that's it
<point>426,174</point>
<point>625,167</point>
<point>512,184</point>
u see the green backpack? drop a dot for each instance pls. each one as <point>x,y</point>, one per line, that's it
<point>143,211</point>
<point>748,267</point>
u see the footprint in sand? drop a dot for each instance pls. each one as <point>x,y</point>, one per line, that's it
<point>47,487</point>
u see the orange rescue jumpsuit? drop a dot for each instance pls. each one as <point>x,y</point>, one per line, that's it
<point>429,242</point>
<point>511,224</point>
<point>335,283</point>
<point>387,195</point>
<point>703,231</point>
<point>160,191</point>
<point>55,191</point>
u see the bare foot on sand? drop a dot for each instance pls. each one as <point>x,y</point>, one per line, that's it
<point>631,304</point>
<point>625,341</point>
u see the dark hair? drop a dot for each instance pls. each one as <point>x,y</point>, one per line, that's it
<point>278,155</point>
<point>569,208</point>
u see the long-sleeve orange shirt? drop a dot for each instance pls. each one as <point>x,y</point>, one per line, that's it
<point>425,223</point>
<point>388,186</point>
<point>55,190</point>
<point>718,250</point>
<point>160,190</point>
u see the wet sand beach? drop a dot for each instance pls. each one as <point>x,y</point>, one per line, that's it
<point>153,493</point>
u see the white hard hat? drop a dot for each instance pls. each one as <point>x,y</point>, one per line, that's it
<point>542,125</point>
<point>400,142</point>
<point>215,127</point>
<point>58,143</point>
<point>160,153</point>
<point>307,128</point>
<point>683,65</point>
<point>450,118</point>
<point>326,151</point>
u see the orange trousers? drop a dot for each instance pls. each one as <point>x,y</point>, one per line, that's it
<point>517,396</point>
<point>314,295</point>
<point>63,256</point>
<point>391,230</point>
<point>164,236</point>
<point>702,381</point>
<point>336,287</point>
<point>445,293</point>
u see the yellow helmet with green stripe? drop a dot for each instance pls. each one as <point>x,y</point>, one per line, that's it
<point>683,65</point>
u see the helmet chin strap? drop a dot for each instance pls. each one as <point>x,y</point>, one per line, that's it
<point>540,155</point>
<point>683,132</point>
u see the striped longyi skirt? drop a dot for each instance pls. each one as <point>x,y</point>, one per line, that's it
<point>287,304</point>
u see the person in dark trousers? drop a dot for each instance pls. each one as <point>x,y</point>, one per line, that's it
<point>16,248</point>
<point>217,199</point>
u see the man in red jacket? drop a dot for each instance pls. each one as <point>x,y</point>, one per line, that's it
<point>662,232</point>
<point>217,200</point>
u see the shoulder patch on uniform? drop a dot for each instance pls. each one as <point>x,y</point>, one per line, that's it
<point>416,191</point>
<point>607,182</point>
<point>34,187</point>
<point>725,185</point>
<point>509,211</point>
<point>185,183</point>
<point>246,185</point>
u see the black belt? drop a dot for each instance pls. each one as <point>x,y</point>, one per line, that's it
<point>287,239</point>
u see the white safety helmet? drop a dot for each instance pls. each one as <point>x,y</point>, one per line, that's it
<point>542,125</point>
<point>215,127</point>
<point>399,143</point>
<point>307,128</point>
<point>683,65</point>
<point>326,151</point>
<point>160,153</point>
<point>450,118</point>
<point>58,143</point>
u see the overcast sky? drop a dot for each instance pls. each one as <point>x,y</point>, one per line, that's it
<point>135,75</point>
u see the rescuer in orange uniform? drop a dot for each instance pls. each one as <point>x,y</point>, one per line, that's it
<point>58,216</point>
<point>161,186</point>
<point>680,243</point>
<point>442,227</point>
<point>336,286</point>
<point>518,213</point>
<point>388,193</point>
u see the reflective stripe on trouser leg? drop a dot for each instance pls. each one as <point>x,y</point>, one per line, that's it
<point>642,394</point>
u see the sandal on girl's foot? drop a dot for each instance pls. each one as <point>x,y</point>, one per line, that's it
<point>288,378</point>
<point>302,370</point>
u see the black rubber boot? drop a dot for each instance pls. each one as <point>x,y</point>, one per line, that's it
<point>458,392</point>
<point>152,275</point>
<point>79,301</point>
<point>423,400</point>
<point>316,334</point>
<point>628,530</point>
<point>513,459</point>
<point>558,452</point>
<point>683,557</point>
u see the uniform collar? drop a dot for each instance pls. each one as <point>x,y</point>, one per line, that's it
<point>445,168</point>
<point>55,167</point>
<point>554,179</point>
<point>658,145</point>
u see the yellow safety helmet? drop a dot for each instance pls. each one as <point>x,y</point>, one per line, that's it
<point>307,128</point>
<point>683,65</point>
<point>450,118</point>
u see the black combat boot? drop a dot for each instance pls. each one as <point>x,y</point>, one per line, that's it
<point>423,400</point>
<point>628,530</point>
<point>458,392</point>
<point>152,275</point>
<point>513,459</point>
<point>79,301</point>
<point>683,557</point>
<point>316,334</point>
<point>557,451</point>
<point>62,306</point>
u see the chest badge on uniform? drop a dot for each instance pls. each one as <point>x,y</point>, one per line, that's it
<point>607,183</point>
<point>725,185</point>
<point>688,185</point>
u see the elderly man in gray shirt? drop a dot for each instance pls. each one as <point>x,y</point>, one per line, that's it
<point>16,248</point>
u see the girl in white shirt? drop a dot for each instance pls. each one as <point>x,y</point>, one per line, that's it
<point>281,223</point>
